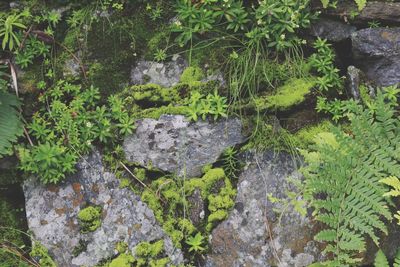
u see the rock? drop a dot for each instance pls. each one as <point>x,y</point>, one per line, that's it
<point>52,216</point>
<point>164,74</point>
<point>196,208</point>
<point>252,234</point>
<point>377,52</point>
<point>175,145</point>
<point>71,67</point>
<point>353,82</point>
<point>380,11</point>
<point>331,30</point>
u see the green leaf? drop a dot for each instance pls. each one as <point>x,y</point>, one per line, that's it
<point>381,260</point>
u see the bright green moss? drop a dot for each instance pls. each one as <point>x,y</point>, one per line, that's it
<point>155,113</point>
<point>306,136</point>
<point>154,203</point>
<point>89,219</point>
<point>292,93</point>
<point>123,260</point>
<point>40,252</point>
<point>205,183</point>
<point>216,216</point>
<point>192,74</point>
<point>149,250</point>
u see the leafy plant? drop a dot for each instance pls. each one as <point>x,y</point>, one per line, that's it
<point>9,27</point>
<point>394,183</point>
<point>231,163</point>
<point>323,62</point>
<point>200,106</point>
<point>196,242</point>
<point>160,55</point>
<point>10,124</point>
<point>328,3</point>
<point>68,122</point>
<point>342,179</point>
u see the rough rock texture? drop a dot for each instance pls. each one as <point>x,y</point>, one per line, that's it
<point>331,30</point>
<point>353,82</point>
<point>52,216</point>
<point>381,11</point>
<point>175,145</point>
<point>377,52</point>
<point>164,74</point>
<point>252,235</point>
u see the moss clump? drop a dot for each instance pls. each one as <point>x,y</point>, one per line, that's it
<point>306,136</point>
<point>292,93</point>
<point>123,260</point>
<point>150,254</point>
<point>206,182</point>
<point>40,252</point>
<point>192,74</point>
<point>89,219</point>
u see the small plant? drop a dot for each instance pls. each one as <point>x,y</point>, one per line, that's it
<point>328,3</point>
<point>382,261</point>
<point>89,219</point>
<point>9,27</point>
<point>323,62</point>
<point>196,243</point>
<point>231,163</point>
<point>160,55</point>
<point>200,106</point>
<point>394,184</point>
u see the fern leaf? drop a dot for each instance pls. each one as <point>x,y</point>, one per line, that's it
<point>397,259</point>
<point>10,125</point>
<point>381,260</point>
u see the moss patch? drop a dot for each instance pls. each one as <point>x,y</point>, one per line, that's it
<point>41,253</point>
<point>89,219</point>
<point>192,74</point>
<point>291,94</point>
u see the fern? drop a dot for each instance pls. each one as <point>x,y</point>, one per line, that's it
<point>360,3</point>
<point>381,260</point>
<point>397,259</point>
<point>10,125</point>
<point>342,180</point>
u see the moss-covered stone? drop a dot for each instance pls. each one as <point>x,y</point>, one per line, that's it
<point>123,260</point>
<point>192,74</point>
<point>89,219</point>
<point>40,252</point>
<point>306,136</point>
<point>293,93</point>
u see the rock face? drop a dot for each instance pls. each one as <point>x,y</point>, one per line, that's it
<point>331,30</point>
<point>252,234</point>
<point>52,216</point>
<point>377,52</point>
<point>381,11</point>
<point>175,145</point>
<point>164,74</point>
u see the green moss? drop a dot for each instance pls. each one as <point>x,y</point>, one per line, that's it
<point>291,94</point>
<point>206,182</point>
<point>306,136</point>
<point>155,113</point>
<point>146,249</point>
<point>40,252</point>
<point>89,219</point>
<point>192,74</point>
<point>122,247</point>
<point>154,203</point>
<point>123,260</point>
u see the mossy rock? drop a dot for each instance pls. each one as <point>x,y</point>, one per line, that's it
<point>192,74</point>
<point>89,219</point>
<point>291,94</point>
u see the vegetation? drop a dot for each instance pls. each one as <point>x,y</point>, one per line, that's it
<point>66,88</point>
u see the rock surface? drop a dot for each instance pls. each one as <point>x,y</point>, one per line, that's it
<point>52,216</point>
<point>377,52</point>
<point>353,82</point>
<point>252,234</point>
<point>173,144</point>
<point>331,30</point>
<point>164,74</point>
<point>374,10</point>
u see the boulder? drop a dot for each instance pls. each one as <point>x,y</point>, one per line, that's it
<point>331,30</point>
<point>174,144</point>
<point>376,51</point>
<point>52,216</point>
<point>253,234</point>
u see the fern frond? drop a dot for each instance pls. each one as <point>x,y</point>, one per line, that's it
<point>397,259</point>
<point>381,260</point>
<point>10,124</point>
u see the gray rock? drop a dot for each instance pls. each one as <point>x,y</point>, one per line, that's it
<point>164,74</point>
<point>175,145</point>
<point>374,10</point>
<point>196,208</point>
<point>71,67</point>
<point>353,82</point>
<point>377,52</point>
<point>331,30</point>
<point>252,235</point>
<point>52,216</point>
